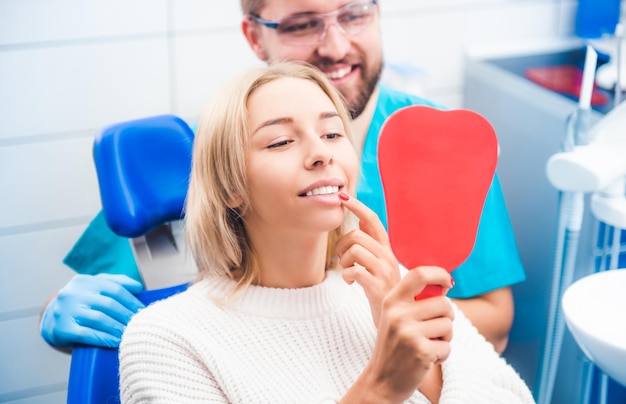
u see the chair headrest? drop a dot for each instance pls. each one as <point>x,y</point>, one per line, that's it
<point>143,169</point>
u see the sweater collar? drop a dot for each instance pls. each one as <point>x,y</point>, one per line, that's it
<point>299,303</point>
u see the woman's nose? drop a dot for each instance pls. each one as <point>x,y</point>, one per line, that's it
<point>320,155</point>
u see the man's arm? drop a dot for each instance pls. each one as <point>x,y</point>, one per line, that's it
<point>492,313</point>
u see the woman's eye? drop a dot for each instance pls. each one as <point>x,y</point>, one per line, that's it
<point>331,136</point>
<point>276,145</point>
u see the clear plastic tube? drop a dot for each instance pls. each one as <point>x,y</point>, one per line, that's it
<point>571,208</point>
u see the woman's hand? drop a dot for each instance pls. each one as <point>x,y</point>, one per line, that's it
<point>412,337</point>
<point>366,256</point>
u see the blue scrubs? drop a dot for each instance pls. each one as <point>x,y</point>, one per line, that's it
<point>494,262</point>
<point>99,250</point>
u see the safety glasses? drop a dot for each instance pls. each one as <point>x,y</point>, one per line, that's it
<point>310,29</point>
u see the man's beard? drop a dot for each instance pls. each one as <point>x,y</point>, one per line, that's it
<point>370,79</point>
<point>365,93</point>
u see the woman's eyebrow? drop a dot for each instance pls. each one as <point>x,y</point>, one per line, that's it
<point>287,120</point>
<point>274,121</point>
<point>330,114</point>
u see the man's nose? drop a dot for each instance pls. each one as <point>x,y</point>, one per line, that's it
<point>334,43</point>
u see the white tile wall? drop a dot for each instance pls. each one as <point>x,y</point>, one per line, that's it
<point>83,85</point>
<point>33,268</point>
<point>203,15</point>
<point>201,60</point>
<point>32,366</point>
<point>69,67</point>
<point>37,21</point>
<point>435,38</point>
<point>45,398</point>
<point>49,181</point>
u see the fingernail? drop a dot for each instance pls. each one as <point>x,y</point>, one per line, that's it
<point>452,280</point>
<point>344,197</point>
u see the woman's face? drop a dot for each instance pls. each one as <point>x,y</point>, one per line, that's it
<point>299,158</point>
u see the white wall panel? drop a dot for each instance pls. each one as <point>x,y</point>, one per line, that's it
<point>26,359</point>
<point>53,398</point>
<point>436,41</point>
<point>33,267</point>
<point>69,88</point>
<point>450,100</point>
<point>443,5</point>
<point>567,16</point>
<point>47,182</point>
<point>203,62</point>
<point>44,20</point>
<point>203,14</point>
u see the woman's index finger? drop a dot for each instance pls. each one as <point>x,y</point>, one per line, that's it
<point>369,222</point>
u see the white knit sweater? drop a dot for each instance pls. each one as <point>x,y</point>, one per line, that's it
<point>283,346</point>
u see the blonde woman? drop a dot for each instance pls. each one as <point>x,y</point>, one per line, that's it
<point>289,307</point>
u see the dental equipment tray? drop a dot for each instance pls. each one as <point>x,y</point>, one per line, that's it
<point>557,72</point>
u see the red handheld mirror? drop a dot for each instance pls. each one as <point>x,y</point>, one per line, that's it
<point>436,168</point>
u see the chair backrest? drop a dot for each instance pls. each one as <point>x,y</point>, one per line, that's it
<point>143,169</point>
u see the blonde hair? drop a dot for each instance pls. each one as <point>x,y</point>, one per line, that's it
<point>218,198</point>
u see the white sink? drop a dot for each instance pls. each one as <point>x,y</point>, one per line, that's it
<point>595,313</point>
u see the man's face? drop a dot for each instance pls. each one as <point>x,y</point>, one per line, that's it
<point>352,62</point>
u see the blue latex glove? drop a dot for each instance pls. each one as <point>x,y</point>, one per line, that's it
<point>91,310</point>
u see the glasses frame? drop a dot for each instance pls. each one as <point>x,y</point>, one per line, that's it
<point>323,16</point>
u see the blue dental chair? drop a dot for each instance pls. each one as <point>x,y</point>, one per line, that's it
<point>143,171</point>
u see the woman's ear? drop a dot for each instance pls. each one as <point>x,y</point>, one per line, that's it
<point>251,32</point>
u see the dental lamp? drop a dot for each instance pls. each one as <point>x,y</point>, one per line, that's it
<point>598,167</point>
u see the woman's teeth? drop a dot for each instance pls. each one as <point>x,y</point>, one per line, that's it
<point>323,191</point>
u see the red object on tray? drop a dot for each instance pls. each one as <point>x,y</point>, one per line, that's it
<point>436,168</point>
<point>564,79</point>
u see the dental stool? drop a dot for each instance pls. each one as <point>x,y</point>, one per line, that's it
<point>143,169</point>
